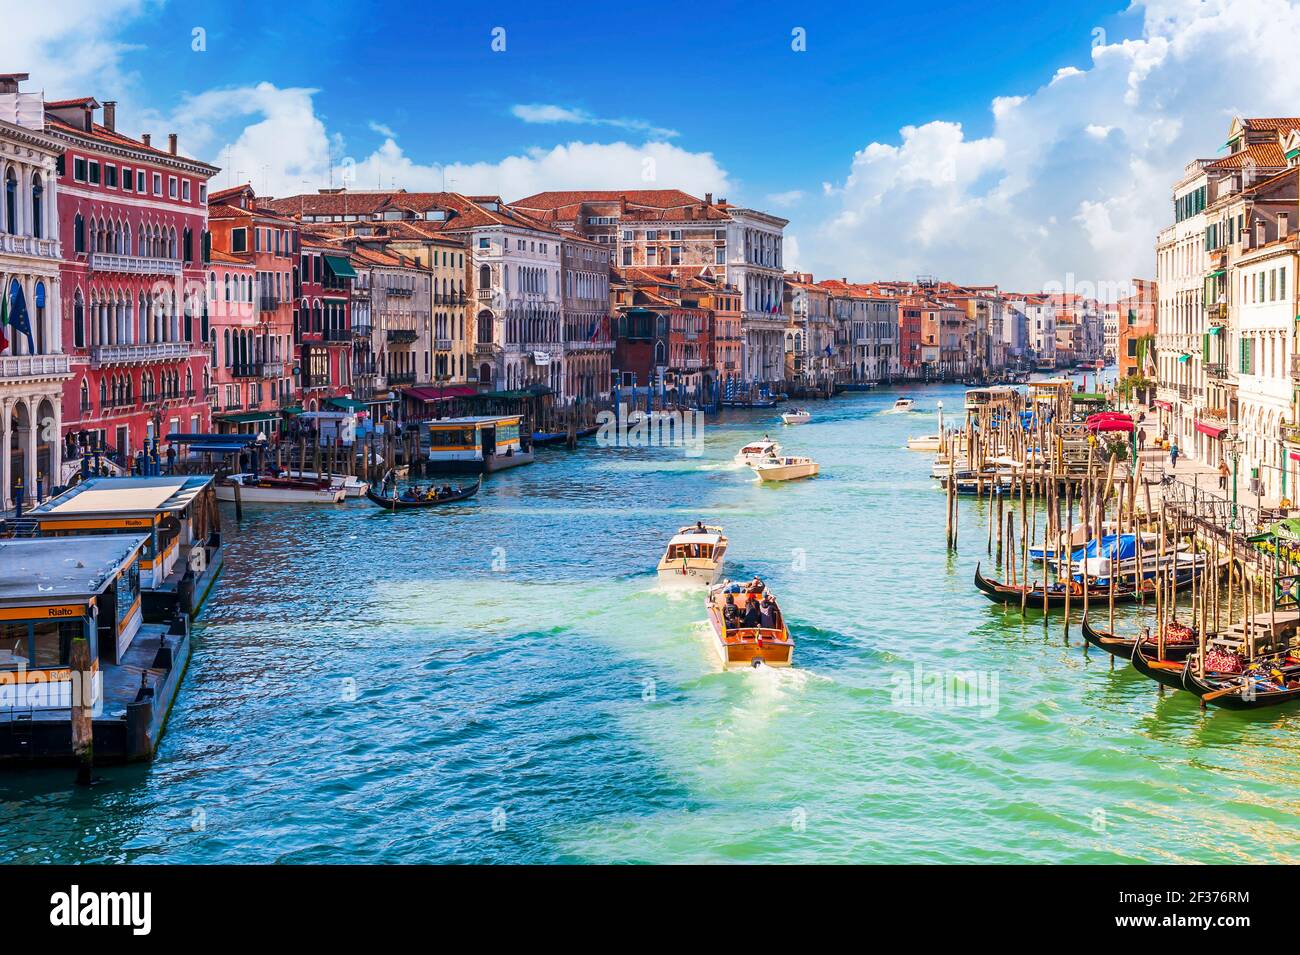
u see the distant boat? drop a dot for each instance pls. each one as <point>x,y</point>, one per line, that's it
<point>260,489</point>
<point>352,485</point>
<point>694,554</point>
<point>902,404</point>
<point>785,468</point>
<point>796,416</point>
<point>757,451</point>
<point>409,500</point>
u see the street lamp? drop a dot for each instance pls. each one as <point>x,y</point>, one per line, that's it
<point>1233,444</point>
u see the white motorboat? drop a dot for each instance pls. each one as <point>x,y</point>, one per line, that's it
<point>260,489</point>
<point>785,468</point>
<point>352,485</point>
<point>757,451</point>
<point>902,404</point>
<point>694,555</point>
<point>924,442</point>
<point>796,416</point>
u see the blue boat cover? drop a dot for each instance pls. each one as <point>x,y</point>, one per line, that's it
<point>1125,544</point>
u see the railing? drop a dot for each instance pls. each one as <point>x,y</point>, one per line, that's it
<point>483,294</point>
<point>361,331</point>
<point>130,354</point>
<point>337,334</point>
<point>1218,370</point>
<point>1217,313</point>
<point>1185,392</point>
<point>273,369</point>
<point>399,292</point>
<point>401,377</point>
<point>133,264</point>
<point>486,348</point>
<point>1295,367</point>
<point>402,335</point>
<point>1290,432</point>
<point>442,344</point>
<point>33,366</point>
<point>249,370</point>
<point>585,344</point>
<point>234,404</point>
<point>29,245</point>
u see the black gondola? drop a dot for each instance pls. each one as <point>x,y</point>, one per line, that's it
<point>396,503</point>
<point>1167,672</point>
<point>1123,646</point>
<point>1008,594</point>
<point>1231,694</point>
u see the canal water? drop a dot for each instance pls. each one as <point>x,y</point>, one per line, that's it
<point>507,682</point>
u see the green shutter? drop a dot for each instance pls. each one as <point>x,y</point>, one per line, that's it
<point>1205,348</point>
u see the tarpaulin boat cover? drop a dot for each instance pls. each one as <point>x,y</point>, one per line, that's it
<point>1127,547</point>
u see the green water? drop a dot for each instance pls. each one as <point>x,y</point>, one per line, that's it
<point>507,682</point>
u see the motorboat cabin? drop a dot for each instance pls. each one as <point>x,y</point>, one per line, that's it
<point>477,443</point>
<point>695,554</point>
<point>786,469</point>
<point>757,451</point>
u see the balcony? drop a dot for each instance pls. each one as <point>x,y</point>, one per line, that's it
<point>235,404</point>
<point>337,335</point>
<point>402,336</point>
<point>273,369</point>
<point>486,349</point>
<point>1290,432</point>
<point>1295,367</point>
<point>1218,370</point>
<point>484,295</point>
<point>401,377</point>
<point>1217,313</point>
<point>135,354</point>
<point>586,344</point>
<point>442,344</point>
<point>14,367</point>
<point>29,245</point>
<point>361,331</point>
<point>248,370</point>
<point>401,292</point>
<point>133,264</point>
<point>1185,392</point>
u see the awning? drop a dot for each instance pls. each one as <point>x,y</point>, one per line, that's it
<point>247,417</point>
<point>292,410</point>
<point>1215,329</point>
<point>1184,358</point>
<point>347,404</point>
<point>1213,430</point>
<point>1216,273</point>
<point>440,394</point>
<point>1163,405</point>
<point>340,266</point>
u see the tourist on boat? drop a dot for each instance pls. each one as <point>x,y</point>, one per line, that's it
<point>752,616</point>
<point>755,587</point>
<point>730,613</point>
<point>767,613</point>
<point>699,527</point>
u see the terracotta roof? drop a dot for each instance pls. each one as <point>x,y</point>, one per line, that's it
<point>1266,155</point>
<point>219,257</point>
<point>112,138</point>
<point>636,205</point>
<point>469,212</point>
<point>1280,124</point>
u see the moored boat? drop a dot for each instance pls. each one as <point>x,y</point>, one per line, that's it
<point>796,416</point>
<point>924,442</point>
<point>352,485</point>
<point>260,489</point>
<point>1178,643</point>
<point>739,645</point>
<point>757,451</point>
<point>695,554</point>
<point>1056,593</point>
<point>785,468</point>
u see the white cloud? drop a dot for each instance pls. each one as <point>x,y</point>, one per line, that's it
<point>549,113</point>
<point>783,199</point>
<point>283,147</point>
<point>1074,176</point>
<point>382,130</point>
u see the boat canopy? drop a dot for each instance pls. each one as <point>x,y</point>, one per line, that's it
<point>1111,545</point>
<point>696,538</point>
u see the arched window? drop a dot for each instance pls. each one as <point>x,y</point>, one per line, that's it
<point>78,319</point>
<point>78,233</point>
<point>85,396</point>
<point>38,326</point>
<point>38,207</point>
<point>11,201</point>
<point>103,392</point>
<point>225,337</point>
<point>484,277</point>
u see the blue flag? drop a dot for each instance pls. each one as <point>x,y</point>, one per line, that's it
<point>18,317</point>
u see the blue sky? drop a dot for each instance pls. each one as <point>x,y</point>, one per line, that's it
<point>1018,143</point>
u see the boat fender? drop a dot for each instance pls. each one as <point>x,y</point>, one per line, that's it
<point>756,662</point>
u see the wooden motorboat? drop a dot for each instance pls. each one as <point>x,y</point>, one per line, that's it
<point>903,404</point>
<point>352,485</point>
<point>1123,646</point>
<point>741,646</point>
<point>785,468</point>
<point>796,416</point>
<point>397,502</point>
<point>262,489</point>
<point>1012,593</point>
<point>695,554</point>
<point>924,442</point>
<point>757,451</point>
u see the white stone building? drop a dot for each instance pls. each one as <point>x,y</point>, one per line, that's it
<point>32,372</point>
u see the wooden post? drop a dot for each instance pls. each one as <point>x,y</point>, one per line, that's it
<point>83,724</point>
<point>239,500</point>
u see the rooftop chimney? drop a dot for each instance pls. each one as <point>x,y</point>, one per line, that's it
<point>144,138</point>
<point>110,115</point>
<point>708,198</point>
<point>171,143</point>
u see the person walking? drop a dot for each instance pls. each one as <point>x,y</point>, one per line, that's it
<point>1223,474</point>
<point>1173,455</point>
<point>1142,439</point>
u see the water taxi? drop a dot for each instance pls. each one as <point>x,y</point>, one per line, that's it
<point>695,554</point>
<point>796,416</point>
<point>747,646</point>
<point>785,468</point>
<point>757,451</point>
<point>261,489</point>
<point>478,443</point>
<point>924,442</point>
<point>902,404</point>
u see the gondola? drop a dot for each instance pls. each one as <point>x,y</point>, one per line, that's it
<point>398,504</point>
<point>1123,646</point>
<point>1228,693</point>
<point>1007,594</point>
<point>1168,672</point>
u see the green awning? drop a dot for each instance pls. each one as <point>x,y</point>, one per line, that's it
<point>1183,358</point>
<point>1215,329</point>
<point>347,404</point>
<point>1086,396</point>
<point>292,410</point>
<point>247,417</point>
<point>1216,273</point>
<point>340,266</point>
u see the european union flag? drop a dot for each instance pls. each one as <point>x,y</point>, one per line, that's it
<point>18,317</point>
